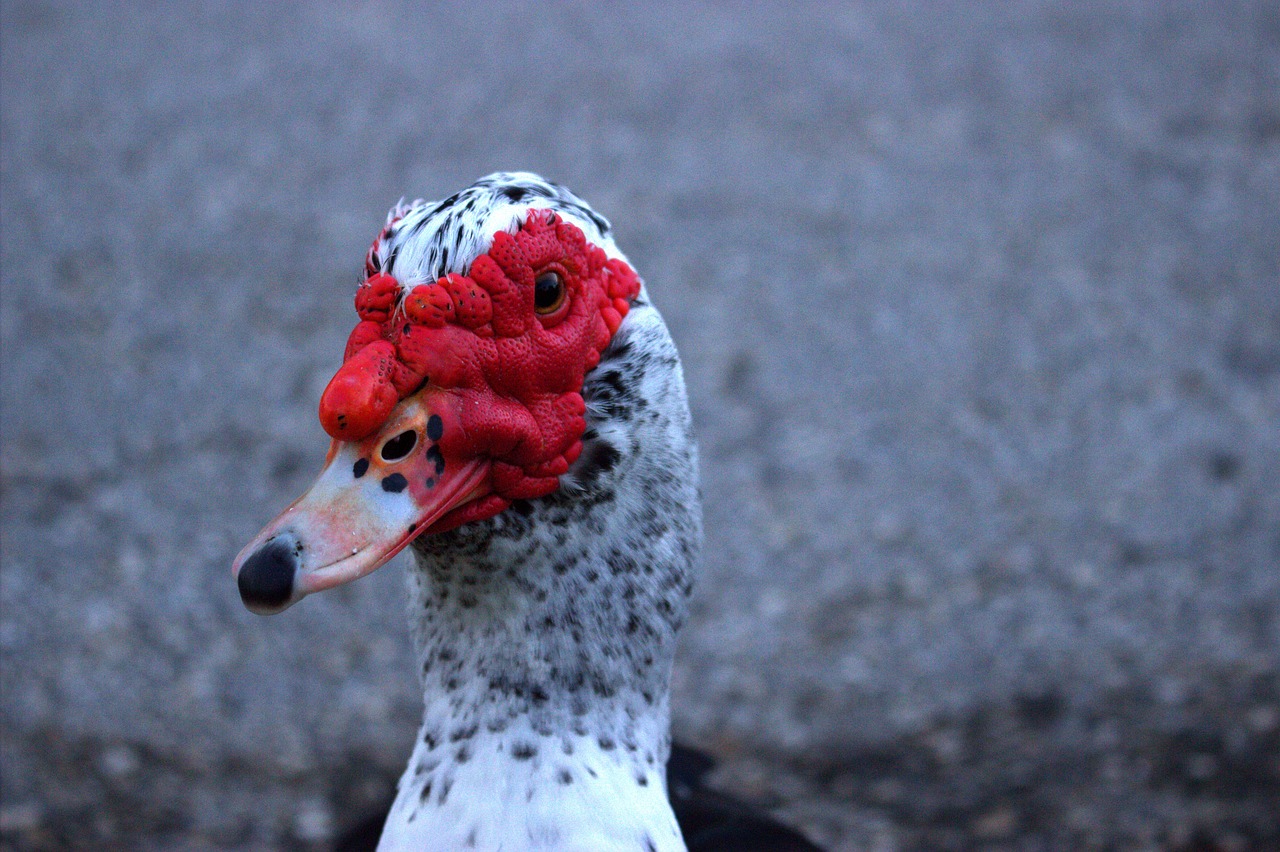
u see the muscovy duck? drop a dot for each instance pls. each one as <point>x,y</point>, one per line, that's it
<point>512,407</point>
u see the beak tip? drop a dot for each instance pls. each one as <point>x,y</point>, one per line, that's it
<point>266,578</point>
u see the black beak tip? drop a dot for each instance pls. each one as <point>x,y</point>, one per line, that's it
<point>266,578</point>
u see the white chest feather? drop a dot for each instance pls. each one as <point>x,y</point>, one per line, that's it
<point>568,794</point>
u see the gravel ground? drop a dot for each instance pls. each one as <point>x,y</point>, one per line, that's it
<point>980,310</point>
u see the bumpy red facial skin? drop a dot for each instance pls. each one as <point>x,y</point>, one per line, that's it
<point>512,379</point>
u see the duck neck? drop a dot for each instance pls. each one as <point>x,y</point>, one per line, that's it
<point>545,677</point>
<point>519,636</point>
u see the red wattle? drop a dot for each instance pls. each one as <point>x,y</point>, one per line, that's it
<point>513,377</point>
<point>361,395</point>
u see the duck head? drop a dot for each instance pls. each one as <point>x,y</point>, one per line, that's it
<point>456,395</point>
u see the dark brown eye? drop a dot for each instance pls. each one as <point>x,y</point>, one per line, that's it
<point>399,446</point>
<point>548,292</point>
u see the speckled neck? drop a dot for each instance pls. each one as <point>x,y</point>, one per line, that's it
<point>545,635</point>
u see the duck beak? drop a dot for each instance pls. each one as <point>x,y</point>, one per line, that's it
<point>372,498</point>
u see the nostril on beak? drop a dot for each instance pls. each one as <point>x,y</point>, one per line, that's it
<point>266,578</point>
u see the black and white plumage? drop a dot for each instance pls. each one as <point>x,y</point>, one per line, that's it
<point>425,240</point>
<point>545,634</point>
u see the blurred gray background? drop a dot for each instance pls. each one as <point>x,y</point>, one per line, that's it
<point>979,305</point>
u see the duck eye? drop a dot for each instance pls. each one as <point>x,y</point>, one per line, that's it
<point>399,446</point>
<point>548,292</point>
